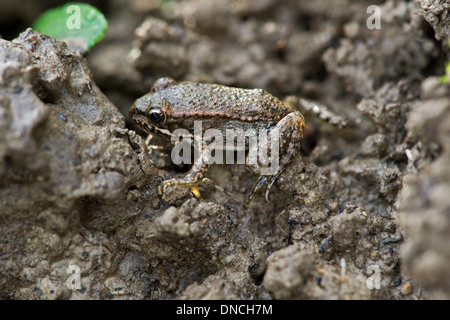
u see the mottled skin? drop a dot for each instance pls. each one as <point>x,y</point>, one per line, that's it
<point>171,105</point>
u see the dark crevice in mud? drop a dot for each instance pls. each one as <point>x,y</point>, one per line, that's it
<point>44,95</point>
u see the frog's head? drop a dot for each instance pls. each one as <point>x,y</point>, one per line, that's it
<point>152,114</point>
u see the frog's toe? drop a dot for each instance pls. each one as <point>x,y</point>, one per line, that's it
<point>165,185</point>
<point>258,186</point>
<point>162,187</point>
<point>195,191</point>
<point>263,181</point>
<point>269,185</point>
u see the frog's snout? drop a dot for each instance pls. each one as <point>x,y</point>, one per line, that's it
<point>131,111</point>
<point>137,115</point>
<point>135,110</point>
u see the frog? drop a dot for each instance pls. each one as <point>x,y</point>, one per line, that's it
<point>172,105</point>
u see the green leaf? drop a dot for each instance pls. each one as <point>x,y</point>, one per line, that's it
<point>446,77</point>
<point>80,25</point>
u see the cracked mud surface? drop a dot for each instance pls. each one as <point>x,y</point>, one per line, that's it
<point>78,186</point>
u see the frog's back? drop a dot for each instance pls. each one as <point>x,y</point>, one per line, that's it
<point>211,99</point>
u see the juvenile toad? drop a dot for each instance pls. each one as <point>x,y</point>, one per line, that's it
<point>170,105</point>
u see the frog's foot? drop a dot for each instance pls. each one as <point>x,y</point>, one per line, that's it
<point>263,181</point>
<point>193,177</point>
<point>289,133</point>
<point>192,185</point>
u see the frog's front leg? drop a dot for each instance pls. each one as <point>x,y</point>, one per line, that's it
<point>288,132</point>
<point>193,177</point>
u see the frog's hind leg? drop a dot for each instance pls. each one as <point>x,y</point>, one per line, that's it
<point>290,134</point>
<point>193,177</point>
<point>292,148</point>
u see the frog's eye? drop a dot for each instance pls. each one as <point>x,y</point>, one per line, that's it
<point>156,115</point>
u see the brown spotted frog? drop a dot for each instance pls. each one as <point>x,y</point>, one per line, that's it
<point>171,105</point>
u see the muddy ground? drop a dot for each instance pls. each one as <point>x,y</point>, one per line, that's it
<point>363,213</point>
